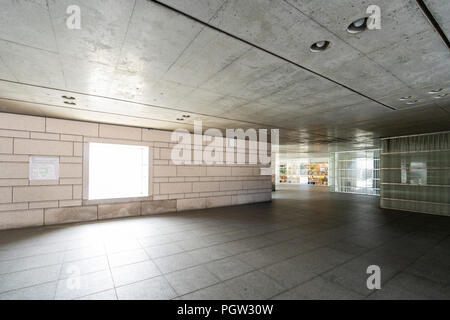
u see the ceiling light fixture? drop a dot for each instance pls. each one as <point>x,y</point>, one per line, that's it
<point>320,46</point>
<point>186,116</point>
<point>71,103</point>
<point>436,91</point>
<point>412,102</point>
<point>439,96</point>
<point>180,119</point>
<point>68,97</point>
<point>406,98</point>
<point>358,25</point>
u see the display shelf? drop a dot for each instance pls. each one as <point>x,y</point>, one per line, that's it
<point>318,173</point>
<point>303,171</point>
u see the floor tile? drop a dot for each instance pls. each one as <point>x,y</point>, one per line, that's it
<point>80,286</point>
<point>84,253</point>
<point>28,278</point>
<point>288,274</point>
<point>175,262</point>
<point>134,272</point>
<point>348,247</point>
<point>432,270</point>
<point>255,286</point>
<point>320,260</point>
<point>29,251</point>
<point>216,292</point>
<point>118,245</point>
<point>419,286</point>
<point>208,254</point>
<point>192,279</point>
<point>152,289</point>
<point>80,267</point>
<point>353,274</point>
<point>31,262</point>
<point>127,257</point>
<point>318,289</point>
<point>104,295</point>
<point>228,268</point>
<point>390,292</point>
<point>302,245</point>
<point>258,258</point>
<point>45,291</point>
<point>163,250</point>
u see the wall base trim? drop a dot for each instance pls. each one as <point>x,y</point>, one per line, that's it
<point>103,212</point>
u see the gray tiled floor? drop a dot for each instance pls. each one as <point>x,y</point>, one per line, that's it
<point>306,244</point>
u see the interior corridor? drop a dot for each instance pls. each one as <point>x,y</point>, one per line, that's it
<point>305,244</point>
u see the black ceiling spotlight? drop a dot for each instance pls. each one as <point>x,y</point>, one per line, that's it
<point>180,119</point>
<point>434,91</point>
<point>406,98</point>
<point>358,26</point>
<point>320,46</point>
<point>186,116</point>
<point>68,97</point>
<point>71,103</point>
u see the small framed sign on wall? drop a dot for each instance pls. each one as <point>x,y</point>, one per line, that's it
<point>44,168</point>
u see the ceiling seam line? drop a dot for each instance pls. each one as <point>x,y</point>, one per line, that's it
<point>271,53</point>
<point>224,67</point>
<point>125,35</point>
<point>434,23</point>
<point>121,46</point>
<point>190,43</point>
<point>443,109</point>
<point>256,100</point>
<point>182,52</point>
<point>56,43</point>
<point>28,46</point>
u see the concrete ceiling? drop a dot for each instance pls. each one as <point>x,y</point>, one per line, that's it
<point>231,64</point>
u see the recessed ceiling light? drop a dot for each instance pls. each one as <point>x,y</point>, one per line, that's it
<point>439,96</point>
<point>412,102</point>
<point>406,98</point>
<point>320,46</point>
<point>358,25</point>
<point>68,97</point>
<point>436,91</point>
<point>68,102</point>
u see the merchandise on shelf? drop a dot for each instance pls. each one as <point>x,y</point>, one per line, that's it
<point>304,172</point>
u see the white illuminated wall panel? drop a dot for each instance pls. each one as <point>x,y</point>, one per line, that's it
<point>117,171</point>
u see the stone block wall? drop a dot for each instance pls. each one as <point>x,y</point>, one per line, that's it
<point>25,203</point>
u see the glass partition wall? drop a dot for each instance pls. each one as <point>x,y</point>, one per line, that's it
<point>416,173</point>
<point>355,172</point>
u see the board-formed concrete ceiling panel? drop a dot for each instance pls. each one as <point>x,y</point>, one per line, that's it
<point>4,72</point>
<point>27,23</point>
<point>31,65</point>
<point>217,51</point>
<point>440,10</point>
<point>230,64</point>
<point>102,33</point>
